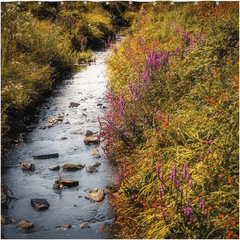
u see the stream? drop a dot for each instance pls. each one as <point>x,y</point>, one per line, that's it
<point>67,206</point>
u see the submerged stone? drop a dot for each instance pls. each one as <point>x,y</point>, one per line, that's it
<point>97,164</point>
<point>27,166</point>
<point>73,104</point>
<point>91,169</point>
<point>84,225</point>
<point>40,204</point>
<point>89,133</point>
<point>65,227</point>
<point>25,224</point>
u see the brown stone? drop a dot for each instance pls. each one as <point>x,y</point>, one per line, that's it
<point>97,164</point>
<point>25,224</point>
<point>96,155</point>
<point>91,169</point>
<point>84,225</point>
<point>65,227</point>
<point>72,167</point>
<point>69,183</point>
<point>93,139</point>
<point>89,133</point>
<point>54,167</point>
<point>96,196</point>
<point>40,204</point>
<point>27,166</point>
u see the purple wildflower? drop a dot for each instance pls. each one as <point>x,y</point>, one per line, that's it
<point>202,203</point>
<point>160,193</point>
<point>158,167</point>
<point>161,176</point>
<point>190,184</point>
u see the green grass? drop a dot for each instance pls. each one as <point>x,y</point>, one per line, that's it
<point>41,42</point>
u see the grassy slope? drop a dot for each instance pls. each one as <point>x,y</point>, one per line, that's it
<point>41,43</point>
<point>180,107</point>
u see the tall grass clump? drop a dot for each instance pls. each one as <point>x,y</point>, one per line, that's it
<point>172,124</point>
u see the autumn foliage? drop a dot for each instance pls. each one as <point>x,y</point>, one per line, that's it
<point>172,124</point>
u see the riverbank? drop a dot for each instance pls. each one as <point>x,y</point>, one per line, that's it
<point>41,45</point>
<point>63,120</point>
<point>173,120</point>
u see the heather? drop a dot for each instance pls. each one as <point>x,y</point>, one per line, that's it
<point>172,124</point>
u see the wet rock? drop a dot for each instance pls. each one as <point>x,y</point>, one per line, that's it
<point>54,168</point>
<point>91,169</point>
<point>93,139</point>
<point>46,156</point>
<point>40,204</point>
<point>96,153</point>
<point>27,166</point>
<point>67,122</point>
<point>73,104</point>
<point>99,104</point>
<point>89,133</point>
<point>65,227</point>
<point>57,119</point>
<point>42,127</point>
<point>84,225</point>
<point>25,224</point>
<point>69,183</point>
<point>96,196</point>
<point>72,167</point>
<point>56,185</point>
<point>96,164</point>
<point>63,138</point>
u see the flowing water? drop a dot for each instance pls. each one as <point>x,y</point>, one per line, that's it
<point>87,88</point>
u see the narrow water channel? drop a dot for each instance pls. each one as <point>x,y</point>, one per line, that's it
<point>67,206</point>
